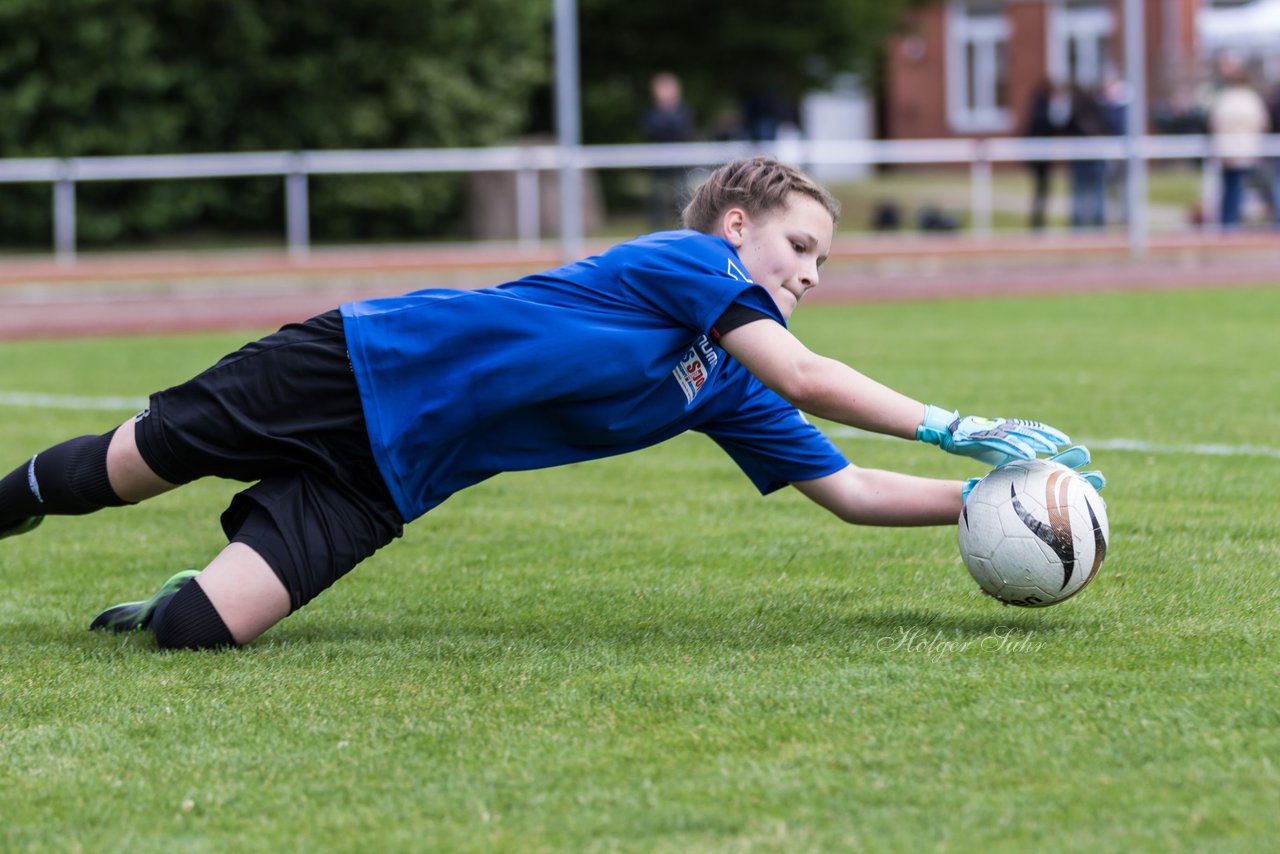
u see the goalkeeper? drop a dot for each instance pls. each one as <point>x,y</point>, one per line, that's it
<point>362,419</point>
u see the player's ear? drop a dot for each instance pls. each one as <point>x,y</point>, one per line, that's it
<point>733,226</point>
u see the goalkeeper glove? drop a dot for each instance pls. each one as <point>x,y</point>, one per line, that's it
<point>1075,457</point>
<point>994,441</point>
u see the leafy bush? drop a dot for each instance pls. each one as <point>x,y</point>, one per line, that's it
<point>88,77</point>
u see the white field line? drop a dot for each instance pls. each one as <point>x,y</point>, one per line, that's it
<point>31,400</point>
<point>1199,449</point>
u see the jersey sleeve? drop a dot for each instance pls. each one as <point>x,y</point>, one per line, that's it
<point>692,280</point>
<point>771,441</point>
<point>734,316</point>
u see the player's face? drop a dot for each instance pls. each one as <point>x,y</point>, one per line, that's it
<point>783,249</point>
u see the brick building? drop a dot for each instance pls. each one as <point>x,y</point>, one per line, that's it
<point>969,67</point>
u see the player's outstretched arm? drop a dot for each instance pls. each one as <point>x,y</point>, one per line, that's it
<point>821,386</point>
<point>875,497</point>
<point>831,389</point>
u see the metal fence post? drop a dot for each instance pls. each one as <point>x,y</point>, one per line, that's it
<point>528,224</point>
<point>568,127</point>
<point>64,216</point>
<point>297,215</point>
<point>981,194</point>
<point>1135,57</point>
<point>1211,193</point>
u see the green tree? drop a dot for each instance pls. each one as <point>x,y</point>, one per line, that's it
<point>92,77</point>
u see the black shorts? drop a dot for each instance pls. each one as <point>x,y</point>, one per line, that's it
<point>283,411</point>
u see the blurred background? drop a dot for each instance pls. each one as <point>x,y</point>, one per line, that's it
<point>192,130</point>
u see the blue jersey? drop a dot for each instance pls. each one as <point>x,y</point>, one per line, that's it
<point>600,357</point>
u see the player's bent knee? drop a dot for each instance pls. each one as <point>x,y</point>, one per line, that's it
<point>131,475</point>
<point>188,620</point>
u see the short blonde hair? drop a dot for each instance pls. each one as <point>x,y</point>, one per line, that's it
<point>758,185</point>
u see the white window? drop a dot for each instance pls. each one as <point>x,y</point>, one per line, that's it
<point>1081,42</point>
<point>978,35</point>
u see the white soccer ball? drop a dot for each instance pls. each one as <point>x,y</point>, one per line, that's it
<point>1033,533</point>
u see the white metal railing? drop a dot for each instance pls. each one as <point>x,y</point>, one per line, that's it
<point>528,160</point>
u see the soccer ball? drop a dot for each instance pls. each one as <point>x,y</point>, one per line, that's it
<point>1033,533</point>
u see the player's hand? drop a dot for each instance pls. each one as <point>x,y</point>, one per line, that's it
<point>1075,457</point>
<point>994,441</point>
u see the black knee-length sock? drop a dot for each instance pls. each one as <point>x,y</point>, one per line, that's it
<point>188,620</point>
<point>69,479</point>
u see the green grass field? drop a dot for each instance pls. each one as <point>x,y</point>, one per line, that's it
<point>641,654</point>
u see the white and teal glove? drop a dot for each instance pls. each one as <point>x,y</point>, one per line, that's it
<point>1075,457</point>
<point>994,441</point>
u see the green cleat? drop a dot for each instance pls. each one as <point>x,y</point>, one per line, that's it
<point>21,526</point>
<point>130,616</point>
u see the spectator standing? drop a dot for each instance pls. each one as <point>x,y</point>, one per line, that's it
<point>1088,177</point>
<point>765,111</point>
<point>1115,107</point>
<point>1048,116</point>
<point>667,120</point>
<point>1237,121</point>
